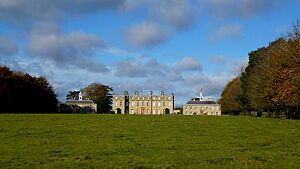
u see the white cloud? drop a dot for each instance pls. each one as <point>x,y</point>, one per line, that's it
<point>227,31</point>
<point>188,64</point>
<point>217,59</point>
<point>146,34</point>
<point>25,11</point>
<point>225,9</point>
<point>66,50</point>
<point>120,52</point>
<point>131,69</point>
<point>7,47</point>
<point>177,13</point>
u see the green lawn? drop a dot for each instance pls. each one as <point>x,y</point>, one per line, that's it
<point>129,141</point>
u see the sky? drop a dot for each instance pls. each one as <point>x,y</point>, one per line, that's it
<point>176,46</point>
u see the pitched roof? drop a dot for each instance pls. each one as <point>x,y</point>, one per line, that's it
<point>201,102</point>
<point>79,102</point>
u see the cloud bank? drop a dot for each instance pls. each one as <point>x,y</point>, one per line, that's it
<point>146,35</point>
<point>70,49</point>
<point>73,58</point>
<point>7,47</point>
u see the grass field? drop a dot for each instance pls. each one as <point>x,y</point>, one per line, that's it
<point>128,141</point>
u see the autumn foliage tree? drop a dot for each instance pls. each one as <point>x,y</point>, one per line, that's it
<point>282,82</point>
<point>100,94</point>
<point>22,93</point>
<point>229,100</point>
<point>271,81</point>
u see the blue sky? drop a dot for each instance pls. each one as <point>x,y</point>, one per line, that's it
<point>178,46</point>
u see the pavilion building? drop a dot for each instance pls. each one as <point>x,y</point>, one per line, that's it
<point>201,106</point>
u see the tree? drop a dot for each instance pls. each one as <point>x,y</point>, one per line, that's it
<point>100,94</point>
<point>73,95</point>
<point>283,73</point>
<point>229,99</point>
<point>253,81</point>
<point>271,81</point>
<point>22,93</point>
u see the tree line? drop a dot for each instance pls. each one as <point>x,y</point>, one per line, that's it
<point>22,93</point>
<point>270,83</point>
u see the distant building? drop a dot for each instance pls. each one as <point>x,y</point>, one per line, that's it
<point>143,104</point>
<point>201,106</point>
<point>82,103</point>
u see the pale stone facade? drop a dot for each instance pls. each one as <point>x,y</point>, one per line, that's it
<point>200,106</point>
<point>143,104</point>
<point>82,103</point>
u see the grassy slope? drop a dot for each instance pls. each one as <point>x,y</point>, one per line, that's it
<point>127,141</point>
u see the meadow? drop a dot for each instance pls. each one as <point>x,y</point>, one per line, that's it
<point>129,141</point>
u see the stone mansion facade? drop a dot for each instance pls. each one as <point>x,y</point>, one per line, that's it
<point>143,104</point>
<point>201,106</point>
<point>82,103</point>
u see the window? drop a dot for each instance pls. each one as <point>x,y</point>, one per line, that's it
<point>158,104</point>
<point>120,103</point>
<point>137,104</point>
<point>142,103</point>
<point>153,98</point>
<point>116,97</point>
<point>169,98</point>
<point>132,111</point>
<point>158,98</point>
<point>143,98</point>
<point>164,104</point>
<point>116,103</point>
<point>148,98</point>
<point>153,103</point>
<point>138,98</point>
<point>132,103</point>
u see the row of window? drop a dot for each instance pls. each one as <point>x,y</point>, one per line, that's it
<point>147,111</point>
<point>146,98</point>
<point>206,113</point>
<point>144,104</point>
<point>202,107</point>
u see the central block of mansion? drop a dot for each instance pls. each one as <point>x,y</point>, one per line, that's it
<point>143,104</point>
